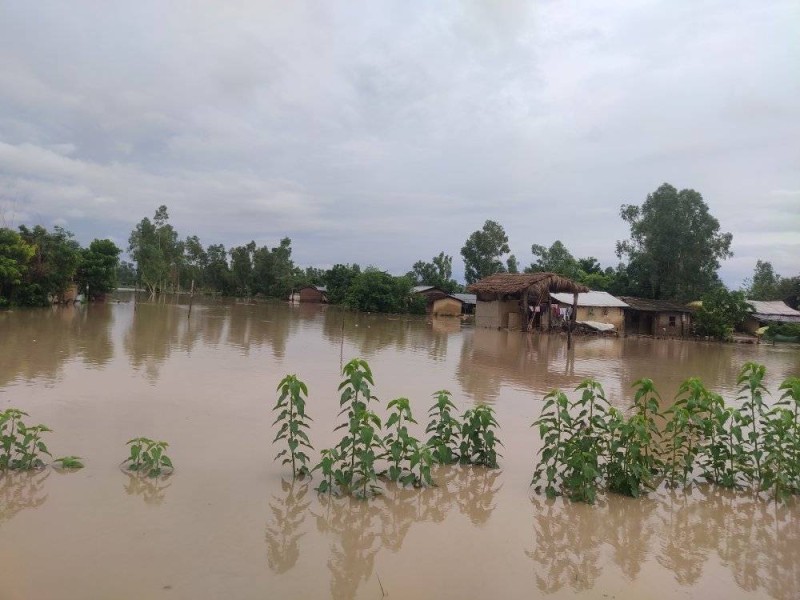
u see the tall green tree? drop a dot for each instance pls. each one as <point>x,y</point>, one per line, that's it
<point>15,253</point>
<point>483,252</point>
<point>378,291</point>
<point>438,272</point>
<point>217,273</point>
<point>97,274</point>
<point>555,259</point>
<point>675,244</point>
<point>158,252</point>
<point>765,284</point>
<point>242,268</point>
<point>51,269</point>
<point>339,279</point>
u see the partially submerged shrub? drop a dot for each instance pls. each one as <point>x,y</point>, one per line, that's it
<point>291,408</point>
<point>409,460</point>
<point>22,446</point>
<point>148,457</point>
<point>478,439</point>
<point>588,446</point>
<point>444,428</point>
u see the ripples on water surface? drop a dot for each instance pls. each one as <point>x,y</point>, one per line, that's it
<point>226,524</point>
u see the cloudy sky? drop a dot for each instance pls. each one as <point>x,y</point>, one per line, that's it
<point>385,132</point>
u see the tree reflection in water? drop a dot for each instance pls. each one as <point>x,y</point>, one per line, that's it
<point>755,538</point>
<point>283,530</point>
<point>153,490</point>
<point>19,491</point>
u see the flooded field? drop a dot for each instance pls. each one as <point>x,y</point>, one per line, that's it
<point>226,525</point>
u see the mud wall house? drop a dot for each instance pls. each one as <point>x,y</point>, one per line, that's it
<point>503,298</point>
<point>656,318</point>
<point>431,294</point>
<point>769,313</point>
<point>449,306</point>
<point>595,307</point>
<point>468,302</point>
<point>313,293</point>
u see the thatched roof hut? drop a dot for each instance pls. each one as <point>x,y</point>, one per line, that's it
<point>538,285</point>
<point>504,298</point>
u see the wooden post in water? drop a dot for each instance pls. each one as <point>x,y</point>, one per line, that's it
<point>191,297</point>
<point>572,318</point>
<point>524,315</point>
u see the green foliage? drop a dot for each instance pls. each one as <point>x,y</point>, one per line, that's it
<point>350,466</point>
<point>483,252</point>
<point>69,462</point>
<point>338,280</point>
<point>556,259</point>
<point>21,445</point>
<point>445,429</point>
<point>148,457</point>
<point>675,244</point>
<point>721,312</point>
<point>15,253</point>
<point>97,274</point>
<point>765,284</point>
<point>377,291</point>
<point>157,251</point>
<point>588,446</point>
<point>786,330</point>
<point>409,460</point>
<point>438,273</point>
<point>478,439</point>
<point>633,457</point>
<point>291,408</point>
<point>753,409</point>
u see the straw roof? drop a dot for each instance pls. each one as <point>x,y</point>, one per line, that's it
<point>537,284</point>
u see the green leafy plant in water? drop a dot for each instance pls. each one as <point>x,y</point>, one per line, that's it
<point>70,462</point>
<point>350,466</point>
<point>753,409</point>
<point>790,400</point>
<point>686,430</point>
<point>777,469</point>
<point>555,427</point>
<point>148,456</point>
<point>444,428</point>
<point>478,439</point>
<point>22,445</point>
<point>720,455</point>
<point>633,458</point>
<point>291,408</point>
<point>404,452</point>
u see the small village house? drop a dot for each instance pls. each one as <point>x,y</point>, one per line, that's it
<point>449,306</point>
<point>656,317</point>
<point>431,293</point>
<point>769,313</point>
<point>504,299</point>
<point>311,293</point>
<point>593,307</point>
<point>468,302</point>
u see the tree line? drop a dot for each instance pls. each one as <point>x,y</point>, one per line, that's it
<point>673,253</point>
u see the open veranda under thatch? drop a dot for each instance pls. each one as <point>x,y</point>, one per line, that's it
<point>507,300</point>
<point>537,285</point>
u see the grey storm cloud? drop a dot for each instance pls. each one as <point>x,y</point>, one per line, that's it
<point>386,132</point>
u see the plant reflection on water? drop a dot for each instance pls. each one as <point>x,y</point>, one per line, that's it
<point>153,490</point>
<point>361,529</point>
<point>20,491</point>
<point>756,539</point>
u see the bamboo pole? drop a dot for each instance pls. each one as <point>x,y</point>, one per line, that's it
<point>572,318</point>
<point>191,297</point>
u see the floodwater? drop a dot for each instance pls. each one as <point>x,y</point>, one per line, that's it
<point>227,525</point>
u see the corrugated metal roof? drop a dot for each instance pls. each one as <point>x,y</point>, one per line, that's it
<point>602,299</point>
<point>466,298</point>
<point>322,288</point>
<point>776,318</point>
<point>773,307</point>
<point>422,288</point>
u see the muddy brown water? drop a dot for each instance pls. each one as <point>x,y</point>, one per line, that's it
<point>227,525</point>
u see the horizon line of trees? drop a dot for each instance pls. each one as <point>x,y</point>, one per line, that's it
<point>673,253</point>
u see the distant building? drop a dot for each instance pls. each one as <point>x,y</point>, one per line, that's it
<point>449,306</point>
<point>656,318</point>
<point>431,293</point>
<point>594,307</point>
<point>311,293</point>
<point>504,300</point>
<point>768,313</point>
<point>468,302</point>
